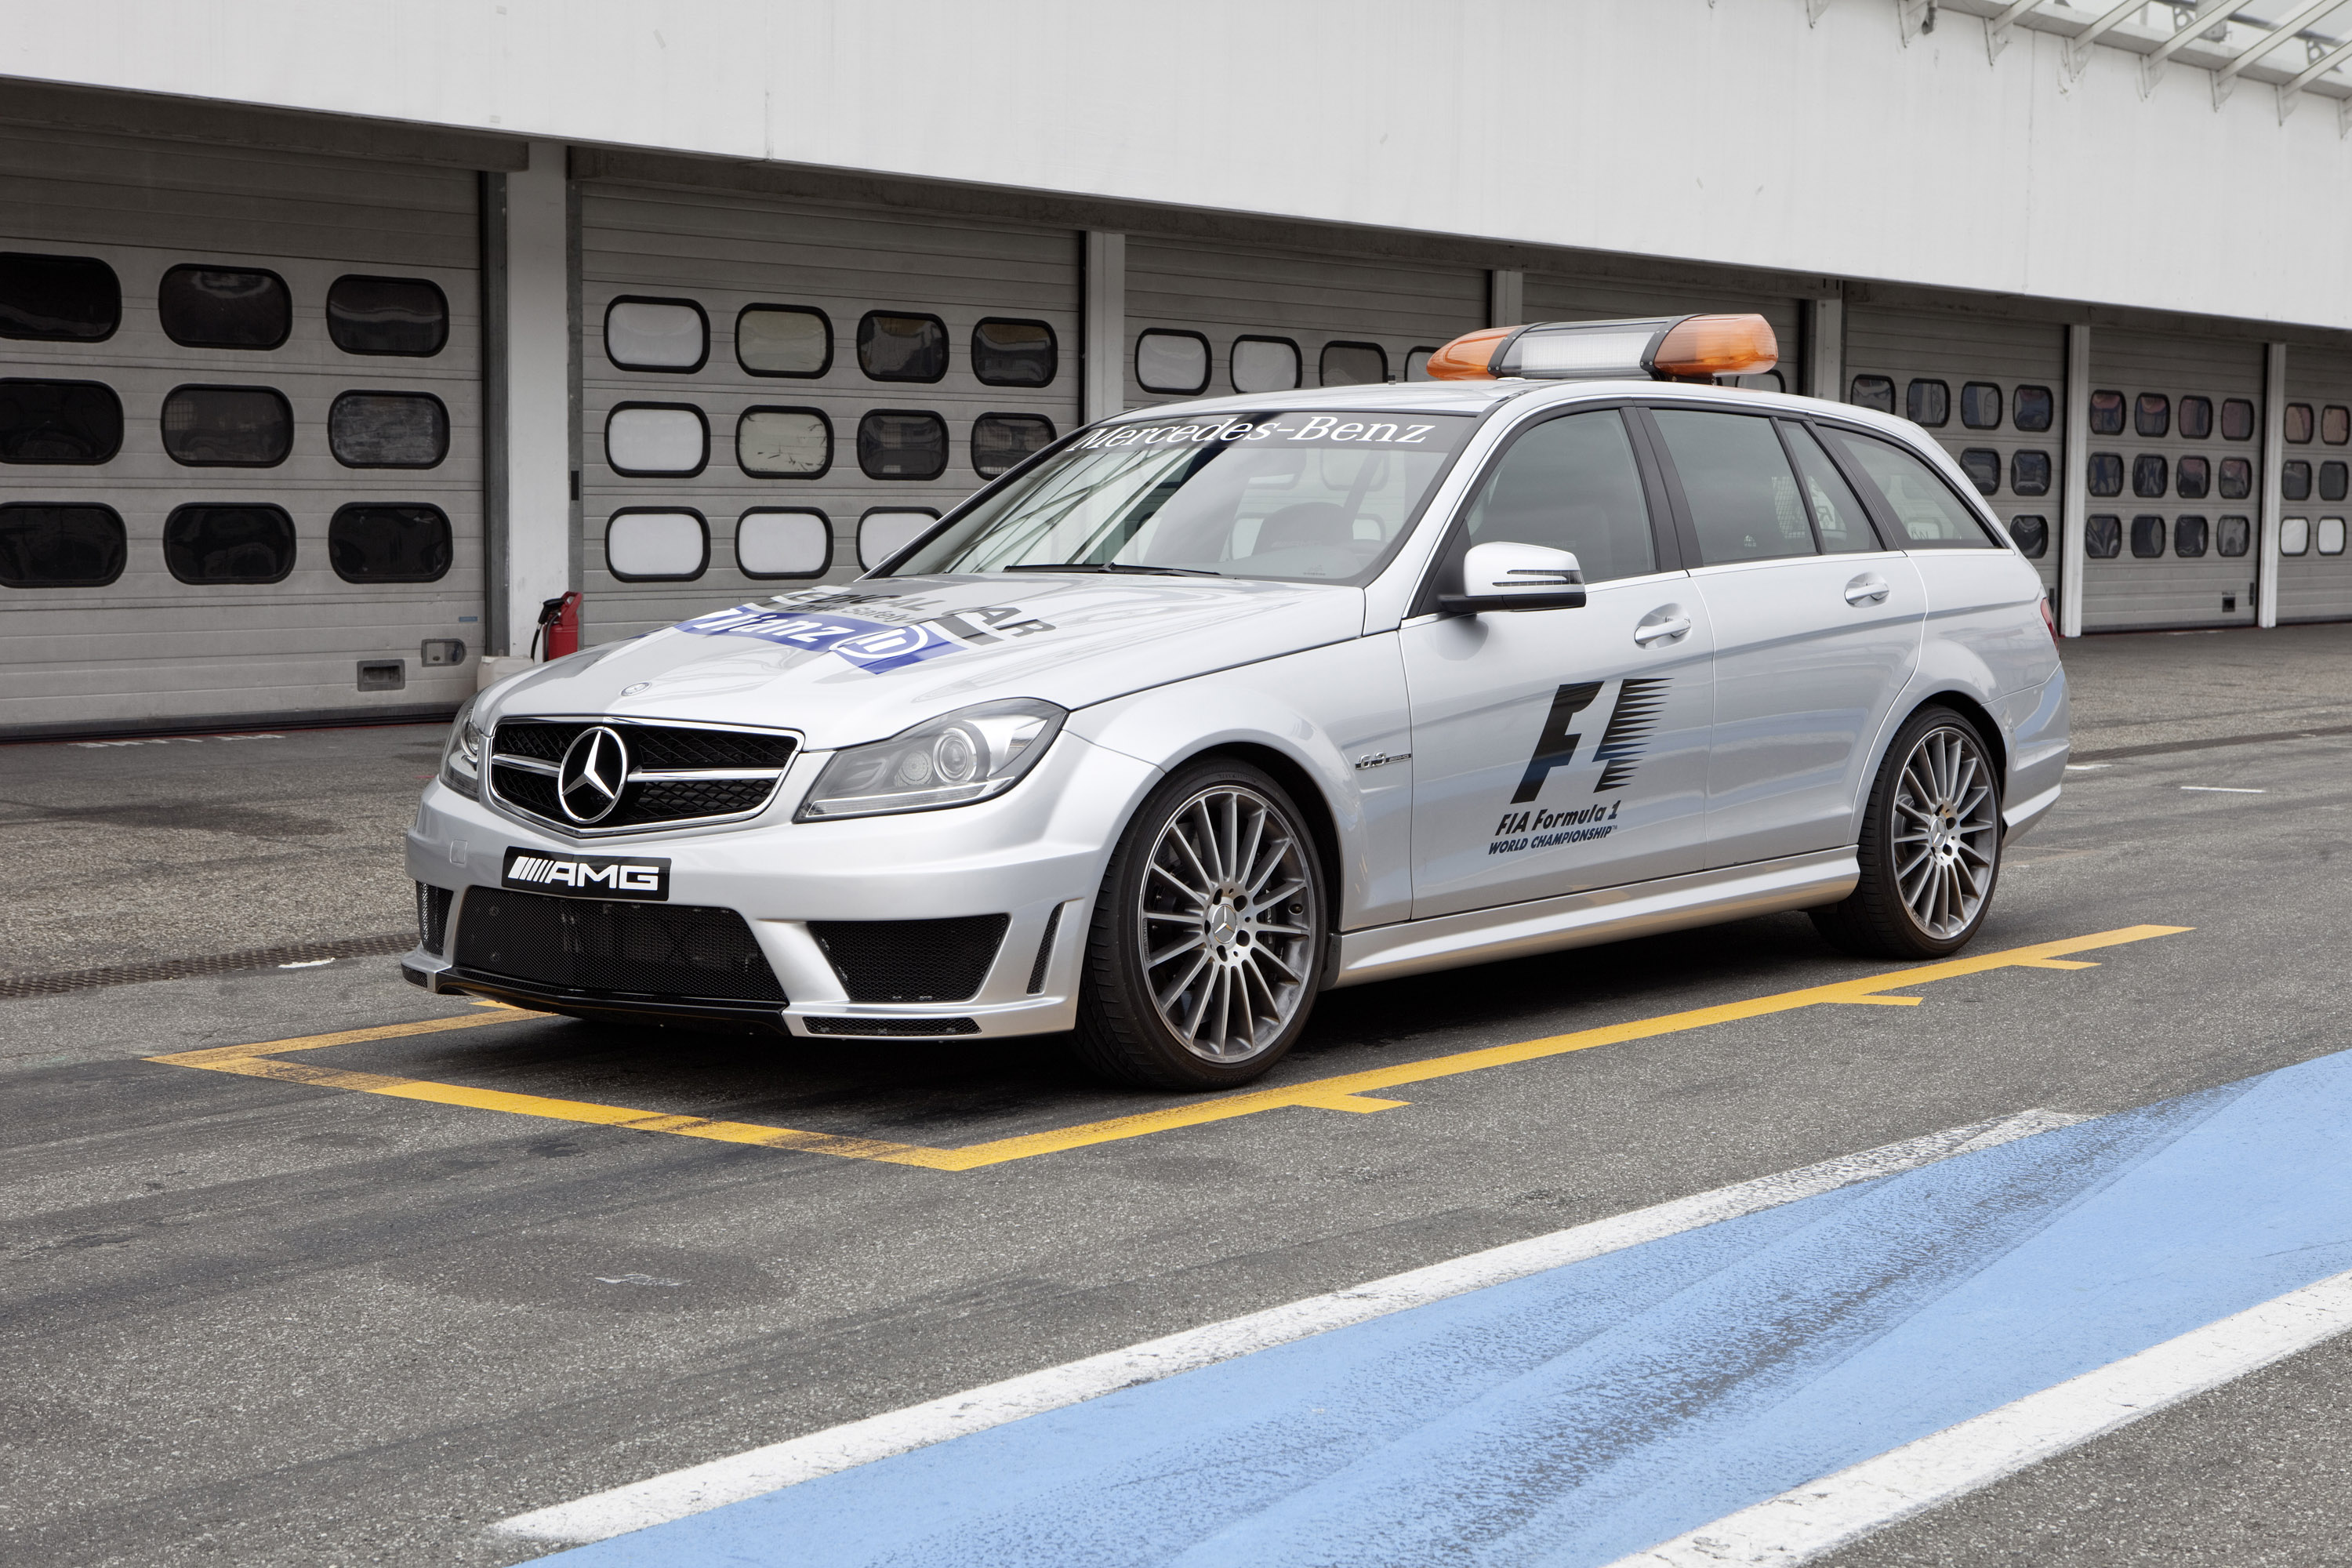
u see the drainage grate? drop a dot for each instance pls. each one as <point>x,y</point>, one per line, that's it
<point>214,963</point>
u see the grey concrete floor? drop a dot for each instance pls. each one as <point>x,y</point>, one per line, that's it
<point>272,1323</point>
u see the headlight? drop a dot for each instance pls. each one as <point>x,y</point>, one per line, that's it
<point>968,755</point>
<point>461,759</point>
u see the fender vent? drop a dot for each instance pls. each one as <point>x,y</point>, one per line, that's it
<point>912,961</point>
<point>433,918</point>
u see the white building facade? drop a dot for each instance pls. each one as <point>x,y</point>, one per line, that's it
<point>337,339</point>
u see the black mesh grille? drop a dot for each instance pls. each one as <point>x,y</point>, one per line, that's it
<point>593,944</point>
<point>911,961</point>
<point>653,748</point>
<point>915,1028</point>
<point>431,917</point>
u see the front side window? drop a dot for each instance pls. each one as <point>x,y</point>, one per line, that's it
<point>1172,362</point>
<point>1838,515</point>
<point>1354,364</point>
<point>1307,497</point>
<point>227,428</point>
<point>1001,440</point>
<point>2029,473</point>
<point>2033,536</point>
<point>2196,418</point>
<point>902,443</point>
<point>1930,514</point>
<point>407,316</point>
<point>1013,353</point>
<point>2234,536</point>
<point>1570,484</point>
<point>373,542</point>
<point>1873,392</point>
<point>2188,536</point>
<point>783,443</point>
<point>1265,364</point>
<point>58,299</point>
<point>2106,413</point>
<point>388,430</point>
<point>656,334</point>
<point>2152,415</point>
<point>1928,402</point>
<point>1742,498</point>
<point>217,544</point>
<point>1982,466</point>
<point>2102,536</point>
<point>783,340</point>
<point>1980,405</point>
<point>77,422</point>
<point>2237,419</point>
<point>902,348</point>
<point>225,308</point>
<point>2147,537</point>
<point>2193,478</point>
<point>2034,406</point>
<point>45,545</point>
<point>2237,479</point>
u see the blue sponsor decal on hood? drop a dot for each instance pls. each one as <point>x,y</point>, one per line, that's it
<point>793,628</point>
<point>895,647</point>
<point>875,647</point>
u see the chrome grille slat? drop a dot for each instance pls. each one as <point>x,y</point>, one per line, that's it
<point>745,768</point>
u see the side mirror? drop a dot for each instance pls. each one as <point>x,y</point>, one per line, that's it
<point>1501,576</point>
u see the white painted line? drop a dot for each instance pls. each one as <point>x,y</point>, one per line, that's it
<point>1802,1523</point>
<point>693,1490</point>
<point>2223,789</point>
<point>2087,767</point>
<point>306,964</point>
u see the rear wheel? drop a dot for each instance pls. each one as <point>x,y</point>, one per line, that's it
<point>1208,935</point>
<point>1930,848</point>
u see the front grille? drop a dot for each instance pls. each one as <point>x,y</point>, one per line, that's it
<point>669,769</point>
<point>431,917</point>
<point>594,945</point>
<point>911,961</point>
<point>903,1028</point>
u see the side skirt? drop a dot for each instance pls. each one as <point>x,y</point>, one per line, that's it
<point>1584,920</point>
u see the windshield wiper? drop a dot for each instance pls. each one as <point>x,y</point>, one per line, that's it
<point>1114,566</point>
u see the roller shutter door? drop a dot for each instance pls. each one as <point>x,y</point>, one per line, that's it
<point>1991,390</point>
<point>239,245</point>
<point>768,386</point>
<point>2314,582</point>
<point>1208,320</point>
<point>1559,297</point>
<point>2174,468</point>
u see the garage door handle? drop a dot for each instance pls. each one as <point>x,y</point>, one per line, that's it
<point>1867,590</point>
<point>1649,632</point>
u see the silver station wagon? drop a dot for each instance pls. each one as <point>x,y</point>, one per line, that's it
<point>1211,706</point>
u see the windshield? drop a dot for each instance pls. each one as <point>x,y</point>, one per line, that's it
<point>1310,496</point>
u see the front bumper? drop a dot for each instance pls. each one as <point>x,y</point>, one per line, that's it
<point>1036,855</point>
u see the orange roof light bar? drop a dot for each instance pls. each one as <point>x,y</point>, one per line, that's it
<point>1667,348</point>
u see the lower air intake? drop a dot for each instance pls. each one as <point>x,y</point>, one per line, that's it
<point>912,961</point>
<point>591,944</point>
<point>433,918</point>
<point>899,1028</point>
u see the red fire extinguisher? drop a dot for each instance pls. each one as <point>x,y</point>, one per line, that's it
<point>558,623</point>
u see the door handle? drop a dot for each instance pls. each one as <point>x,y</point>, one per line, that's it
<point>1866,589</point>
<point>1667,630</point>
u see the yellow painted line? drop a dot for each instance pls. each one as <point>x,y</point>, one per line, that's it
<point>1356,1091</point>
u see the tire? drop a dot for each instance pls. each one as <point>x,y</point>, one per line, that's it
<point>1208,936</point>
<point>1930,848</point>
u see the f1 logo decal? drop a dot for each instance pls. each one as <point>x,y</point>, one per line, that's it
<point>1556,747</point>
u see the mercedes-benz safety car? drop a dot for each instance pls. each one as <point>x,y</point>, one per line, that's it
<point>1211,706</point>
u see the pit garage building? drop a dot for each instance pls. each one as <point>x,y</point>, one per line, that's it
<point>337,342</point>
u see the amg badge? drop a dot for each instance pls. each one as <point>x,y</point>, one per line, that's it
<point>588,875</point>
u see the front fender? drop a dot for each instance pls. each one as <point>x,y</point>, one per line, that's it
<point>1325,711</point>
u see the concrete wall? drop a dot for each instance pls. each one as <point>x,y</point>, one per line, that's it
<point>1732,131</point>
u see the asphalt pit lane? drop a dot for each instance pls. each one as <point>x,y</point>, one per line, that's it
<point>566,1272</point>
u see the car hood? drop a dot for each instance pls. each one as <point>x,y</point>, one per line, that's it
<point>864,660</point>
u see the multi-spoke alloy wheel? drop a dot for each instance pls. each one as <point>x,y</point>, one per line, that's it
<point>1930,848</point>
<point>1208,936</point>
<point>1945,829</point>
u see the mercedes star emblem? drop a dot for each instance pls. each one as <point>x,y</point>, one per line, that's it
<point>595,768</point>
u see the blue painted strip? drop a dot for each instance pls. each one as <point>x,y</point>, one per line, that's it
<point>1569,1418</point>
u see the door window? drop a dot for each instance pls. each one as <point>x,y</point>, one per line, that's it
<point>1743,499</point>
<point>1838,514</point>
<point>1931,516</point>
<point>1570,484</point>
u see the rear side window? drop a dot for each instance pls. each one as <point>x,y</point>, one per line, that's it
<point>1838,514</point>
<point>1930,516</point>
<point>229,543</point>
<point>59,422</point>
<point>388,316</point>
<point>53,546</point>
<point>1570,484</point>
<point>369,542</point>
<point>1742,497</point>
<point>225,308</point>
<point>58,299</point>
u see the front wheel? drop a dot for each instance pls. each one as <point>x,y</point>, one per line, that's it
<point>1930,849</point>
<point>1208,935</point>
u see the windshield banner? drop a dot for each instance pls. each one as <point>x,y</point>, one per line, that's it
<point>1352,431</point>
